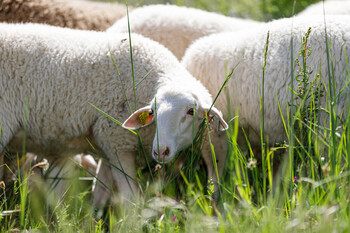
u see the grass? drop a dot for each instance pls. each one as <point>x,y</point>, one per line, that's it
<point>293,187</point>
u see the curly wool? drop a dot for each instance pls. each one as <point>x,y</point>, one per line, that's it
<point>211,59</point>
<point>177,27</point>
<point>77,14</point>
<point>337,7</point>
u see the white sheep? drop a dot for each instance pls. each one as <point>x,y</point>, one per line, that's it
<point>50,174</point>
<point>61,172</point>
<point>78,14</point>
<point>211,59</point>
<point>337,7</point>
<point>55,173</point>
<point>177,27</point>
<point>50,75</point>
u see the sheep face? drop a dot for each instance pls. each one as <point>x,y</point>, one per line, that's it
<point>177,117</point>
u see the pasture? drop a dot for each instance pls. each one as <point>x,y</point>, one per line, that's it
<point>301,184</point>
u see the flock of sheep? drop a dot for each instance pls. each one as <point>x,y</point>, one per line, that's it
<point>52,76</point>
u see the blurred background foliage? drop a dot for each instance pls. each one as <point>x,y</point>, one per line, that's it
<point>262,10</point>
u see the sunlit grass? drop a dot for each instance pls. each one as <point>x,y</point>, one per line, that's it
<point>301,185</point>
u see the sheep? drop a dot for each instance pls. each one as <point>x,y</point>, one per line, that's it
<point>177,27</point>
<point>65,13</point>
<point>50,77</point>
<point>337,7</point>
<point>211,58</point>
<point>58,176</point>
<point>49,173</point>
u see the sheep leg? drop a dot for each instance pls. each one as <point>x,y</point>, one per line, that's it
<point>122,161</point>
<point>2,164</point>
<point>124,174</point>
<point>108,177</point>
<point>6,134</point>
<point>123,169</point>
<point>102,185</point>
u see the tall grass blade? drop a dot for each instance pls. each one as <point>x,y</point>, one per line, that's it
<point>111,118</point>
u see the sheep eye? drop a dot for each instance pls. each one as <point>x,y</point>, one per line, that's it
<point>151,112</point>
<point>190,112</point>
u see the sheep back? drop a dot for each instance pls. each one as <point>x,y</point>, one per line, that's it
<point>212,58</point>
<point>330,7</point>
<point>177,27</point>
<point>78,14</point>
<point>54,74</point>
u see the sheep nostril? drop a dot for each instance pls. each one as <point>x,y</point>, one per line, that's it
<point>166,152</point>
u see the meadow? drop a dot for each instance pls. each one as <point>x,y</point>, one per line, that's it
<point>299,185</point>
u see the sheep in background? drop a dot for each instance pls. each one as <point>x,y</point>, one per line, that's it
<point>49,173</point>
<point>330,7</point>
<point>54,73</point>
<point>177,27</point>
<point>211,58</point>
<point>59,175</point>
<point>78,14</point>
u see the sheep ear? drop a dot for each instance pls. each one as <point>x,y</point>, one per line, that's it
<point>215,116</point>
<point>139,118</point>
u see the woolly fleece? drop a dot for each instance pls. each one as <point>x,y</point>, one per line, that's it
<point>50,75</point>
<point>78,14</point>
<point>331,8</point>
<point>177,27</point>
<point>211,59</point>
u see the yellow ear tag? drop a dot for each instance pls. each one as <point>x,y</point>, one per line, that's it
<point>143,118</point>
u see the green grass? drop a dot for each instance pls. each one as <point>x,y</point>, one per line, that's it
<point>302,185</point>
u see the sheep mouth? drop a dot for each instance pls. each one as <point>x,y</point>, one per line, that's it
<point>162,161</point>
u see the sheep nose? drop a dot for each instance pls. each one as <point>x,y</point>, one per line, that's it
<point>163,153</point>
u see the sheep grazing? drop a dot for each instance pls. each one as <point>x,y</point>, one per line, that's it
<point>330,8</point>
<point>78,14</point>
<point>177,27</point>
<point>210,59</point>
<point>50,174</point>
<point>49,76</point>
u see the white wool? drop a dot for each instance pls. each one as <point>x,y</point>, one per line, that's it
<point>336,7</point>
<point>177,27</point>
<point>211,59</point>
<point>54,74</point>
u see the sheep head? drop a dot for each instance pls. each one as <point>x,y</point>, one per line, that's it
<point>178,116</point>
